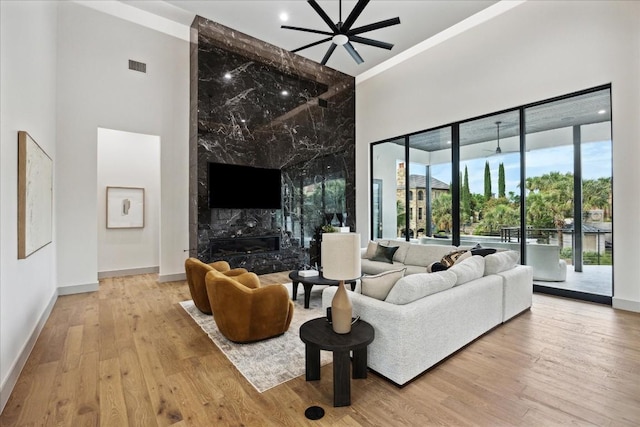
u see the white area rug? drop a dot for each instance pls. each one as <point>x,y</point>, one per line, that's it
<point>265,364</point>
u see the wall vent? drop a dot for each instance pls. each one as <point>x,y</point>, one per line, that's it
<point>137,66</point>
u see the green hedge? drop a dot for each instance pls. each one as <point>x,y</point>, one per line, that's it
<point>588,258</point>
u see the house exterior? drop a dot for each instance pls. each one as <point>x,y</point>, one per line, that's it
<point>418,192</point>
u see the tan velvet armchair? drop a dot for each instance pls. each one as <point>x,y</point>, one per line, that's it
<point>246,312</point>
<point>196,271</point>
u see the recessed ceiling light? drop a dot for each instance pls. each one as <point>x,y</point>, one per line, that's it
<point>448,142</point>
<point>602,111</point>
<point>284,93</point>
<point>227,76</point>
<point>243,120</point>
<point>284,16</point>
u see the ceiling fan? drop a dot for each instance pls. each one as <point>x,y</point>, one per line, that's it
<point>341,32</point>
<point>498,149</point>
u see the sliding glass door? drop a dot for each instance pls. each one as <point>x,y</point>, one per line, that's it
<point>568,182</point>
<point>490,180</point>
<point>536,179</point>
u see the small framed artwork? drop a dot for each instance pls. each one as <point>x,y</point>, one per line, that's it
<point>35,196</point>
<point>125,207</point>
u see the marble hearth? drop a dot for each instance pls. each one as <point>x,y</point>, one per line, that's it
<point>258,105</point>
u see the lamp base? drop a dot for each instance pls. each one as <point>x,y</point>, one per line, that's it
<point>341,311</point>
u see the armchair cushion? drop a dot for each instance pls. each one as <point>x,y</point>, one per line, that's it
<point>244,311</point>
<point>225,268</point>
<point>196,271</point>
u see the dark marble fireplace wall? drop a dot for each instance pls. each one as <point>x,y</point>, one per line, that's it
<point>255,104</point>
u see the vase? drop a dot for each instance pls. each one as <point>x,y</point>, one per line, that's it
<point>341,310</point>
<point>329,217</point>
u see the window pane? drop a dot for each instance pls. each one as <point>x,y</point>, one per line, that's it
<point>388,204</point>
<point>430,178</point>
<point>568,178</point>
<point>490,179</point>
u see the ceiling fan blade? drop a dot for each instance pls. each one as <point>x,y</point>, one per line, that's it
<point>371,42</point>
<point>311,44</point>
<point>354,54</point>
<point>374,26</point>
<point>323,15</point>
<point>307,30</point>
<point>328,54</point>
<point>355,13</point>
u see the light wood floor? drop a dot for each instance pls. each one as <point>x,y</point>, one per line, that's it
<point>130,355</point>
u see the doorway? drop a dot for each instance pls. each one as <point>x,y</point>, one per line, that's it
<point>128,162</point>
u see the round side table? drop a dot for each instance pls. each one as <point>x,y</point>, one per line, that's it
<point>317,334</point>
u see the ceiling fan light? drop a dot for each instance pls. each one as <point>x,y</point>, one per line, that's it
<point>340,39</point>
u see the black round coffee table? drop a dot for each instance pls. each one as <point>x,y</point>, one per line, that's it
<point>308,283</point>
<point>317,334</point>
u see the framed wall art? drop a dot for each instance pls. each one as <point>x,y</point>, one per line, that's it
<point>125,207</point>
<point>35,196</point>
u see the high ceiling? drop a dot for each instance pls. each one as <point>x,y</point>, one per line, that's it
<point>419,20</point>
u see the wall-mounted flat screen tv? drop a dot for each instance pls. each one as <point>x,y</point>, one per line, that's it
<point>244,187</point>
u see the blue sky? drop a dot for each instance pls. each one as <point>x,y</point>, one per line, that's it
<point>596,163</point>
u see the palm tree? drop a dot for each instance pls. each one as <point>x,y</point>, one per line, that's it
<point>596,194</point>
<point>556,196</point>
<point>441,212</point>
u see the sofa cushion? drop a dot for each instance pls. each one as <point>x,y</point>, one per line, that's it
<point>368,266</point>
<point>384,253</point>
<point>415,286</point>
<point>500,261</point>
<point>403,248</point>
<point>378,286</point>
<point>468,269</point>
<point>424,255</point>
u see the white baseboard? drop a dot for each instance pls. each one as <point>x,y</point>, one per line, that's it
<point>172,277</point>
<point>625,304</point>
<point>78,289</point>
<point>128,272</point>
<point>14,372</point>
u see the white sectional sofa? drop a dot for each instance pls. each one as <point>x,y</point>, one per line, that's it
<point>415,329</point>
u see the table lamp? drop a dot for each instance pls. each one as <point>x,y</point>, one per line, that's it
<point>341,261</point>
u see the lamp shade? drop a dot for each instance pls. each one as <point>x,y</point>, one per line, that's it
<point>341,256</point>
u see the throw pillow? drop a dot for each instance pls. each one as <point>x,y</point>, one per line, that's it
<point>371,250</point>
<point>384,253</point>
<point>469,269</point>
<point>450,259</point>
<point>479,250</point>
<point>378,286</point>
<point>435,267</point>
<point>416,286</point>
<point>500,261</point>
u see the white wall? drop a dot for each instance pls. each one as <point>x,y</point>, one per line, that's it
<point>96,89</point>
<point>27,93</point>
<point>127,159</point>
<point>535,51</point>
